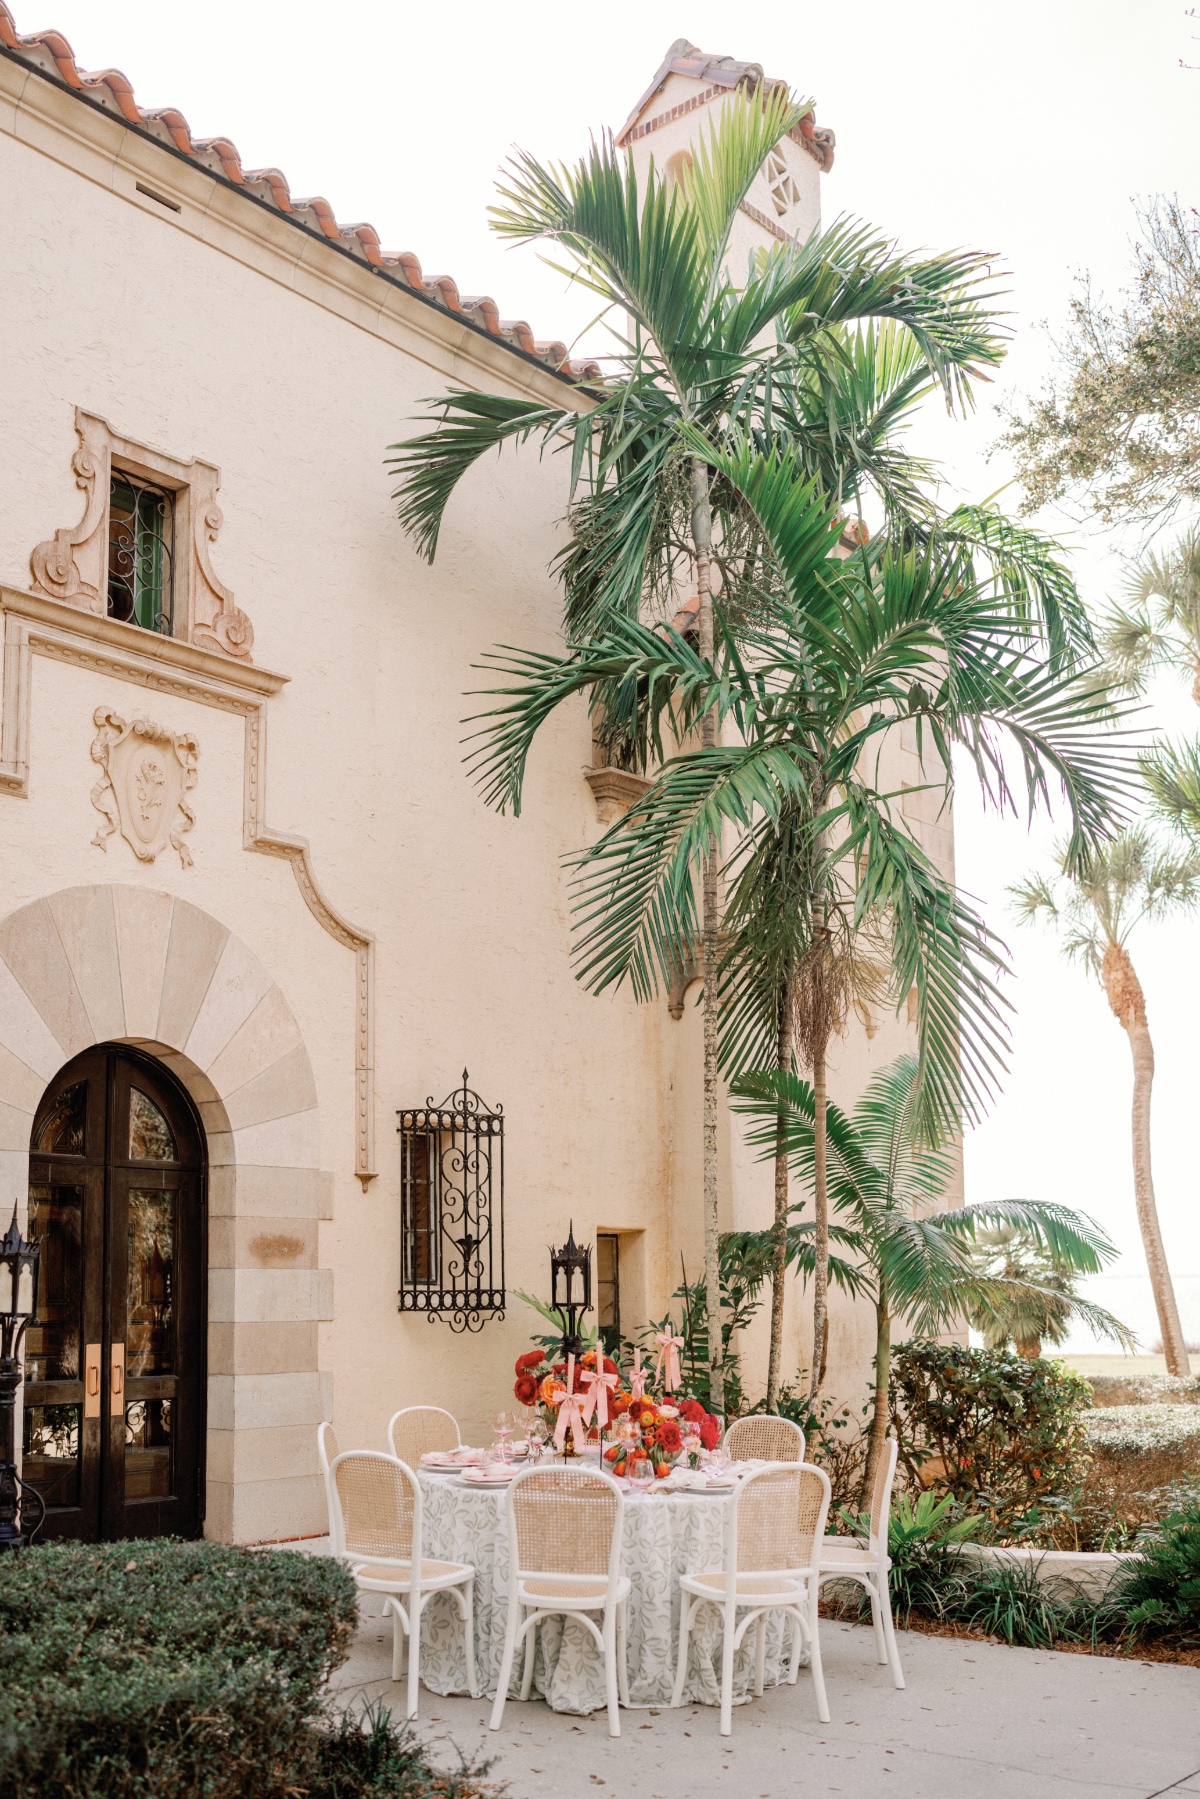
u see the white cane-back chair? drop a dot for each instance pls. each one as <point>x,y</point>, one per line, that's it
<point>773,1537</point>
<point>764,1438</point>
<point>417,1430</point>
<point>327,1448</point>
<point>565,1531</point>
<point>377,1519</point>
<point>849,1558</point>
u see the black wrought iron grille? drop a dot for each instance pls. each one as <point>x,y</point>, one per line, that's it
<point>452,1210</point>
<point>141,555</point>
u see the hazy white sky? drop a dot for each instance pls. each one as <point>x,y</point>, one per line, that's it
<point>1025,129</point>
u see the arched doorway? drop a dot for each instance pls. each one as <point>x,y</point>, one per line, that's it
<point>114,1384</point>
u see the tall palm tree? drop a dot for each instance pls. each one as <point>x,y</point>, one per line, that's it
<point>698,361</point>
<point>1097,902</point>
<point>1026,1319</point>
<point>884,1183</point>
<point>1159,625</point>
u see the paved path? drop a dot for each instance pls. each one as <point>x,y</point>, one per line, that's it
<point>977,1721</point>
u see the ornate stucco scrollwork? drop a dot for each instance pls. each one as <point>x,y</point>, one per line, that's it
<point>148,773</point>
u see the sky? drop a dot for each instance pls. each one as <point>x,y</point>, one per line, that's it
<point>1027,130</point>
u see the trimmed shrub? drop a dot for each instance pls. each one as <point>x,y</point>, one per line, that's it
<point>1002,1435</point>
<point>142,1670</point>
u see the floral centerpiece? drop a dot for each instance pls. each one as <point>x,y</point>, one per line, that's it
<point>589,1400</point>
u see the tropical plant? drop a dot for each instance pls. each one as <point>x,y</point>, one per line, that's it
<point>1037,1310</point>
<point>1159,624</point>
<point>701,362</point>
<point>924,1535</point>
<point>1096,902</point>
<point>884,1184</point>
<point>1158,1594</point>
<point>1120,424</point>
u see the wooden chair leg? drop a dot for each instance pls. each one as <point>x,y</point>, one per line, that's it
<point>506,1660</point>
<point>530,1656</point>
<point>414,1648</point>
<point>610,1669</point>
<point>729,1613</point>
<point>818,1672</point>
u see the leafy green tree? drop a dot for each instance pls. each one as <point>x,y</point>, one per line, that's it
<point>1119,425</point>
<point>1038,1313</point>
<point>1096,902</point>
<point>1159,624</point>
<point>699,363</point>
<point>885,1184</point>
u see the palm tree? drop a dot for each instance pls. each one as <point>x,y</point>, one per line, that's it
<point>700,361</point>
<point>1097,902</point>
<point>1159,626</point>
<point>884,1182</point>
<point>1040,1313</point>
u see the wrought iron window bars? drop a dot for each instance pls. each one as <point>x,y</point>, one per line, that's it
<point>141,554</point>
<point>452,1209</point>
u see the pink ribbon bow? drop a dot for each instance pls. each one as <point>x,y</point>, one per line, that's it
<point>637,1380</point>
<point>570,1412</point>
<point>595,1399</point>
<point>668,1359</point>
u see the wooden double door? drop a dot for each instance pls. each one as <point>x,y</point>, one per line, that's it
<point>114,1367</point>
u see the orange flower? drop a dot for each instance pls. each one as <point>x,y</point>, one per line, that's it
<point>549,1388</point>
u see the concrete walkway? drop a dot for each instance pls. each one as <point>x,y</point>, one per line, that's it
<point>977,1721</point>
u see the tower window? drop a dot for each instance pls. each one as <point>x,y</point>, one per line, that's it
<point>608,1289</point>
<point>141,547</point>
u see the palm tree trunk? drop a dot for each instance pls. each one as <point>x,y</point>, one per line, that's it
<point>702,541</point>
<point>783,1057</point>
<point>883,1370</point>
<point>1127,1000</point>
<point>820,1227</point>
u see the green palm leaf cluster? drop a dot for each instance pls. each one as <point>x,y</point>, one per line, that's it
<point>888,1188</point>
<point>741,423</point>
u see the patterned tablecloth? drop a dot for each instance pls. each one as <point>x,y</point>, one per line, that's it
<point>666,1535</point>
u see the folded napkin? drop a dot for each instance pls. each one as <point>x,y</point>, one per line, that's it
<point>452,1458</point>
<point>493,1471</point>
<point>693,1480</point>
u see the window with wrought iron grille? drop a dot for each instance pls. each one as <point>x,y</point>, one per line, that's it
<point>452,1209</point>
<point>141,554</point>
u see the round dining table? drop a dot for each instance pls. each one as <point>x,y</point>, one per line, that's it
<point>667,1533</point>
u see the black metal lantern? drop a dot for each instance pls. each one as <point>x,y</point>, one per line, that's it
<point>571,1288</point>
<point>19,1263</point>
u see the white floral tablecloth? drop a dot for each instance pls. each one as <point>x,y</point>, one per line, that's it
<point>666,1535</point>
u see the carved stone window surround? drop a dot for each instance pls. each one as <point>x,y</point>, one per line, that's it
<point>72,566</point>
<point>36,625</point>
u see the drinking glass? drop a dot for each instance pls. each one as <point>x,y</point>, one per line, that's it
<point>640,1473</point>
<point>537,1436</point>
<point>691,1445</point>
<point>503,1424</point>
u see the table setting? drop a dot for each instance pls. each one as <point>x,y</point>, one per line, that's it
<point>669,1461</point>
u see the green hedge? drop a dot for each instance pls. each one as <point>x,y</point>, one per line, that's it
<point>165,1670</point>
<point>1003,1435</point>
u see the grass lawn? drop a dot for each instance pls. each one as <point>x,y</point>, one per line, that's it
<point>1128,1365</point>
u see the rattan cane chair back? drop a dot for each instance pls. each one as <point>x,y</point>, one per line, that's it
<point>418,1430</point>
<point>780,1512</point>
<point>881,1490</point>
<point>565,1519</point>
<point>765,1438</point>
<point>379,1504</point>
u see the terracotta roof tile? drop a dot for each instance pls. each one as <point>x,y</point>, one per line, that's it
<point>50,54</point>
<point>720,74</point>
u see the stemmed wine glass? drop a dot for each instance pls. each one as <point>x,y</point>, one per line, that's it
<point>537,1436</point>
<point>503,1424</point>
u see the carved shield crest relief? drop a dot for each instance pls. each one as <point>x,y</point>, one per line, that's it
<point>148,773</point>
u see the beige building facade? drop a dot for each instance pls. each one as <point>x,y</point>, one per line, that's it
<point>252,909</point>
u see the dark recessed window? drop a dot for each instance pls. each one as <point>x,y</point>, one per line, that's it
<point>608,1289</point>
<point>141,546</point>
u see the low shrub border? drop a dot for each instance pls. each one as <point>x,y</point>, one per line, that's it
<point>167,1670</point>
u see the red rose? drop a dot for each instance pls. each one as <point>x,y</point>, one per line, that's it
<point>526,1389</point>
<point>530,1359</point>
<point>710,1431</point>
<point>610,1367</point>
<point>669,1437</point>
<point>693,1411</point>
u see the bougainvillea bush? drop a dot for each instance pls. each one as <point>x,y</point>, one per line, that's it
<point>1005,1436</point>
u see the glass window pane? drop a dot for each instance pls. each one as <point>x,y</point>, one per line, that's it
<point>149,1335</point>
<point>150,1138</point>
<point>62,1131</point>
<point>52,1345</point>
<point>608,1288</point>
<point>140,540</point>
<point>148,1472</point>
<point>51,1458</point>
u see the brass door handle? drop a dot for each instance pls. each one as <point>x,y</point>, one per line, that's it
<point>116,1385</point>
<point>91,1381</point>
